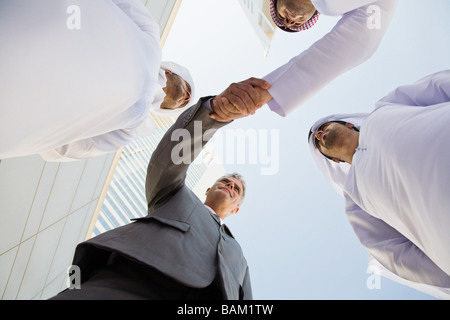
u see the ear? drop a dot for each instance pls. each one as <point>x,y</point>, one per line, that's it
<point>337,160</point>
<point>349,125</point>
<point>235,210</point>
<point>167,71</point>
<point>207,190</point>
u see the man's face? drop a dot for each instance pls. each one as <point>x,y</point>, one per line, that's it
<point>332,138</point>
<point>227,192</point>
<point>178,92</point>
<point>294,13</point>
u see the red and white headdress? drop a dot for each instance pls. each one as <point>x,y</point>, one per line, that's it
<point>308,24</point>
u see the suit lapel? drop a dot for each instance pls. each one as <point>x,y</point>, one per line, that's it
<point>227,230</point>
<point>214,216</point>
<point>223,226</point>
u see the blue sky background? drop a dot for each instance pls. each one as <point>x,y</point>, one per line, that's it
<point>292,226</point>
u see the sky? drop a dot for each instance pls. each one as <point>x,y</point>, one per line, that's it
<point>292,226</point>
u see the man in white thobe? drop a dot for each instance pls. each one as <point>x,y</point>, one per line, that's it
<point>392,167</point>
<point>77,79</point>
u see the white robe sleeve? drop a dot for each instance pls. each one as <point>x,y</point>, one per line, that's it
<point>348,44</point>
<point>438,292</point>
<point>137,12</point>
<point>338,7</point>
<point>392,250</point>
<point>430,90</point>
<point>114,140</point>
<point>91,147</point>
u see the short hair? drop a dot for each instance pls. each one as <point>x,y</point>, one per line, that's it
<point>316,141</point>
<point>240,178</point>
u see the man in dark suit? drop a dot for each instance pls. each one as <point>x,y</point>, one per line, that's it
<point>181,249</point>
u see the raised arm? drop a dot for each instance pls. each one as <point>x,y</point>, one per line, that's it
<point>181,144</point>
<point>430,90</point>
<point>339,7</point>
<point>351,42</point>
<point>178,148</point>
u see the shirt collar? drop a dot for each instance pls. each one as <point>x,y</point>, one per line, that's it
<point>213,212</point>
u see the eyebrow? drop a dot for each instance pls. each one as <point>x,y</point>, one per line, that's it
<point>236,185</point>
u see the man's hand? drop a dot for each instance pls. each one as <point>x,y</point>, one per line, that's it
<point>240,100</point>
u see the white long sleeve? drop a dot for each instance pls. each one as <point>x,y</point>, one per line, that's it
<point>348,44</point>
<point>435,291</point>
<point>90,147</point>
<point>395,252</point>
<point>430,90</point>
<point>137,12</point>
<point>335,7</point>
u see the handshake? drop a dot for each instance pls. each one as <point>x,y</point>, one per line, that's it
<point>240,100</point>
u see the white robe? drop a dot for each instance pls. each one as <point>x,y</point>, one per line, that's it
<point>81,75</point>
<point>89,148</point>
<point>396,189</point>
<point>348,44</point>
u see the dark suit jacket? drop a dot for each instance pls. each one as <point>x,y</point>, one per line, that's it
<point>179,237</point>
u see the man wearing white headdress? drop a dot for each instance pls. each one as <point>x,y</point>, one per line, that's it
<point>79,79</point>
<point>392,167</point>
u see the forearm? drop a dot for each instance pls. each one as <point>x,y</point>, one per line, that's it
<point>90,147</point>
<point>339,7</point>
<point>430,90</point>
<point>347,45</point>
<point>179,147</point>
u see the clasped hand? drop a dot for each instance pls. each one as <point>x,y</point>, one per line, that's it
<point>240,100</point>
